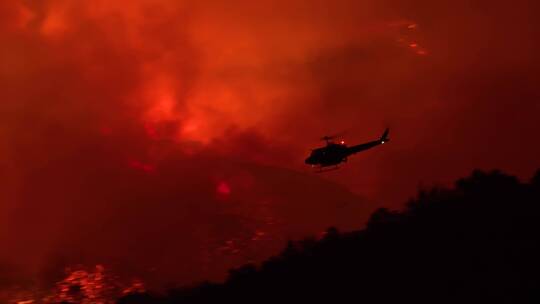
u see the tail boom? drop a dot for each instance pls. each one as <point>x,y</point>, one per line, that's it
<point>358,148</point>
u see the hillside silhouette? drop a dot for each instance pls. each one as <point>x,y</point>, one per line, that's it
<point>477,242</point>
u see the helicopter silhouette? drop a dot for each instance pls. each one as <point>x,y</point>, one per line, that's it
<point>334,154</point>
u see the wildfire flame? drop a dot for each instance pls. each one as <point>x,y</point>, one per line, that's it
<point>83,286</point>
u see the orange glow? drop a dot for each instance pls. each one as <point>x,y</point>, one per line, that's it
<point>25,16</point>
<point>55,23</point>
<point>161,100</point>
<point>192,130</point>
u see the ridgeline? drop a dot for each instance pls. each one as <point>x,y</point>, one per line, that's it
<point>477,242</point>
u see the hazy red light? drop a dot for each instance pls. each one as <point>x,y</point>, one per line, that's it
<point>138,165</point>
<point>223,188</point>
<point>105,131</point>
<point>150,131</point>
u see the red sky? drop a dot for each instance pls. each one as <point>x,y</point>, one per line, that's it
<point>167,138</point>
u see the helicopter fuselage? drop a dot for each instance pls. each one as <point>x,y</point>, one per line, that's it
<point>335,153</point>
<point>330,155</point>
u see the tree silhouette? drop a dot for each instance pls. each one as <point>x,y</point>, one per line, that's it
<point>477,242</point>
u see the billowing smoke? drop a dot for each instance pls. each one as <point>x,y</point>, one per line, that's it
<point>166,138</point>
<point>122,144</point>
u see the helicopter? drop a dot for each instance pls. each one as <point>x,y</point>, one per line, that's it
<point>334,154</point>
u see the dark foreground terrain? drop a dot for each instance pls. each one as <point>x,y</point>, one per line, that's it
<point>478,242</point>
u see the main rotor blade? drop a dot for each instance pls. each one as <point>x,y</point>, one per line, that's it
<point>329,137</point>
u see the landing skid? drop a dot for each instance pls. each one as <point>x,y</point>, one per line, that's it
<point>321,169</point>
